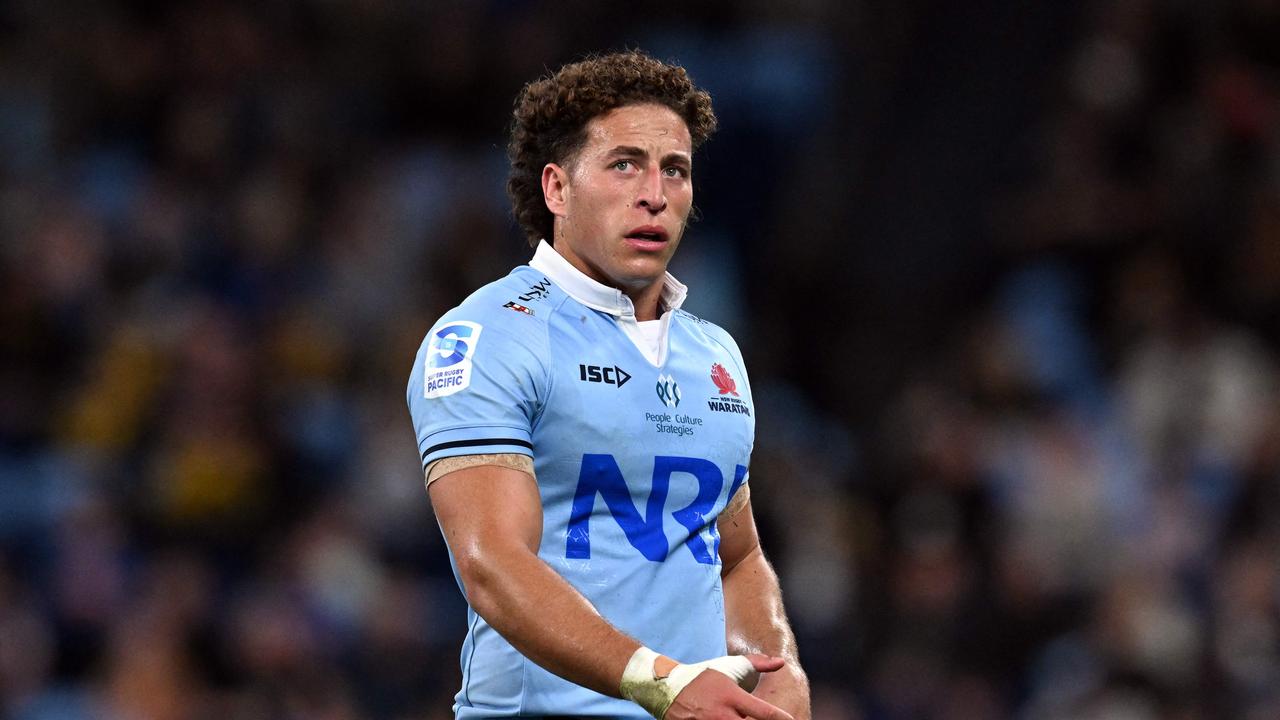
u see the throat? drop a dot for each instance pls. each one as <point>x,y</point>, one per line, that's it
<point>647,301</point>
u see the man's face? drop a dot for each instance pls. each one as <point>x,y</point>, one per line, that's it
<point>621,205</point>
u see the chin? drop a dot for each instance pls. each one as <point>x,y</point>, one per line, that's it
<point>643,271</point>
<point>634,278</point>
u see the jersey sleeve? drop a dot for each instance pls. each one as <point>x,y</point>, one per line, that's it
<point>476,389</point>
<point>743,382</point>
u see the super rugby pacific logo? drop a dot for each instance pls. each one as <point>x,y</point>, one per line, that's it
<point>449,355</point>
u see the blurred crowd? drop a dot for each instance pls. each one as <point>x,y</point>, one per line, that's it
<point>1007,279</point>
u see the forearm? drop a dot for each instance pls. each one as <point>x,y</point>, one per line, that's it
<point>756,622</point>
<point>548,620</point>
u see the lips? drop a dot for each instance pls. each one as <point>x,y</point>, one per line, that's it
<point>648,233</point>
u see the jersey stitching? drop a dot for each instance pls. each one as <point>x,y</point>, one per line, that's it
<point>545,358</point>
<point>732,355</point>
<point>457,428</point>
<point>524,683</point>
<point>546,340</point>
<point>466,685</point>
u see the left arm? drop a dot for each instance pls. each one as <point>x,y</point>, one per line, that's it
<point>755,621</point>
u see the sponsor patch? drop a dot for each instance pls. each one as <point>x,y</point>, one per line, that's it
<point>449,355</point>
<point>538,291</point>
<point>518,308</point>
<point>723,380</point>
<point>728,400</point>
<point>679,425</point>
<point>603,374</point>
<point>668,391</point>
<point>728,405</point>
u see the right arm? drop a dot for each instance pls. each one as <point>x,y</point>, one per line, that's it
<point>492,520</point>
<point>491,517</point>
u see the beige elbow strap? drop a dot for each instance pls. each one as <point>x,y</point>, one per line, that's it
<point>642,686</point>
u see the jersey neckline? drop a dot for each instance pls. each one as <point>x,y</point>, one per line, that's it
<point>596,295</point>
<point>613,301</point>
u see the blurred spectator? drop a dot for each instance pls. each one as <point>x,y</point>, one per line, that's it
<point>1007,276</point>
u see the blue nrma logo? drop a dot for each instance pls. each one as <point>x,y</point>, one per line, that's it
<point>600,476</point>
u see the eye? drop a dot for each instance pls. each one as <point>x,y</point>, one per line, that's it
<point>675,171</point>
<point>621,165</point>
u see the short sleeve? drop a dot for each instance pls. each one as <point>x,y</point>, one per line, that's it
<point>475,389</point>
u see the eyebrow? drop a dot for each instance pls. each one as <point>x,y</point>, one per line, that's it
<point>631,151</point>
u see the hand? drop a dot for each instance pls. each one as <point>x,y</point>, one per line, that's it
<point>788,689</point>
<point>713,696</point>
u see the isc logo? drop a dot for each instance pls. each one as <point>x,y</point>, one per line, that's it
<point>607,375</point>
<point>601,476</point>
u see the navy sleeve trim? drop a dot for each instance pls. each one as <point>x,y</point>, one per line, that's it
<point>474,443</point>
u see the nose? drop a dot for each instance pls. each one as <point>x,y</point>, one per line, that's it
<point>652,194</point>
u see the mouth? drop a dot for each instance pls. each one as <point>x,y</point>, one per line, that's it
<point>647,237</point>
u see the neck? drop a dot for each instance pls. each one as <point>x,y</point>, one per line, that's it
<point>647,301</point>
<point>646,296</point>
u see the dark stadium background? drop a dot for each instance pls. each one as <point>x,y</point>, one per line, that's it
<point>1007,276</point>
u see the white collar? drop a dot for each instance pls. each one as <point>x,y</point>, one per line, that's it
<point>598,296</point>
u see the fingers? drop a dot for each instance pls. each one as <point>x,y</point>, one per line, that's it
<point>765,663</point>
<point>713,695</point>
<point>753,707</point>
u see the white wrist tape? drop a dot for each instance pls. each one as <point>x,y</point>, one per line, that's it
<point>655,694</point>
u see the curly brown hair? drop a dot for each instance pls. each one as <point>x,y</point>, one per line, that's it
<point>551,115</point>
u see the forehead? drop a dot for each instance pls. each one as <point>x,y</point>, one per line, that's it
<point>646,125</point>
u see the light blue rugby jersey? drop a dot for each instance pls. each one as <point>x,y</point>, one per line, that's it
<point>635,456</point>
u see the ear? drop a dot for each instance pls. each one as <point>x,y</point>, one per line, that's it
<point>555,189</point>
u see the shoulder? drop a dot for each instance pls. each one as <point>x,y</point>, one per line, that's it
<point>493,338</point>
<point>709,331</point>
<point>516,307</point>
<point>502,324</point>
<point>729,371</point>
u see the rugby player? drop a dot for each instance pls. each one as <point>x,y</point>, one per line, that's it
<point>586,442</point>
